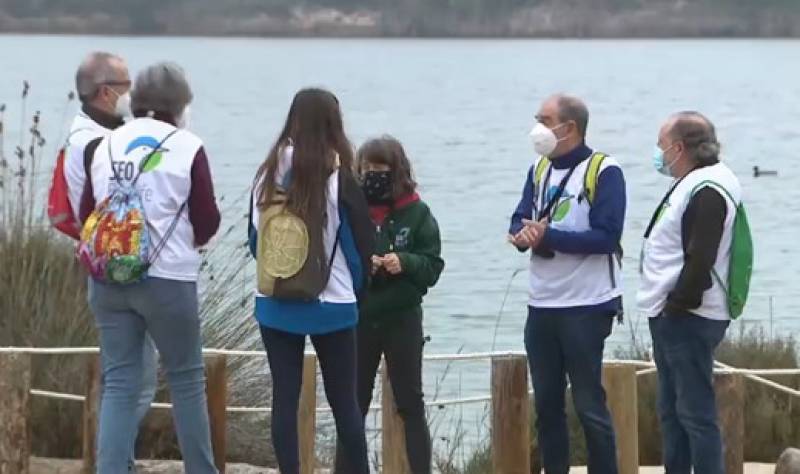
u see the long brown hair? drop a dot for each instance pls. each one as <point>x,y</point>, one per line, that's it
<point>315,129</point>
<point>388,150</point>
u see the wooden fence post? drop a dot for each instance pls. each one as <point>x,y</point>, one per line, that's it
<point>729,390</point>
<point>395,457</point>
<point>307,415</point>
<point>620,384</point>
<point>15,386</point>
<point>91,413</point>
<point>217,399</point>
<point>510,416</point>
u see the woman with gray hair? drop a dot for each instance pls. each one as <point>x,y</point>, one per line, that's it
<point>167,166</point>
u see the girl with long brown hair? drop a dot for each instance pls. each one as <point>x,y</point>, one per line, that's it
<point>309,173</point>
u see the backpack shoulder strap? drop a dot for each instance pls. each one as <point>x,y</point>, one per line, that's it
<point>736,206</point>
<point>74,132</point>
<point>541,167</point>
<point>716,186</point>
<point>592,175</point>
<point>590,179</point>
<point>88,156</point>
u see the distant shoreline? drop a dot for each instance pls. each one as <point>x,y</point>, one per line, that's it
<point>549,20</point>
<point>310,37</point>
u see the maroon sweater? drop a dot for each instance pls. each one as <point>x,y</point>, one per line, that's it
<point>204,214</point>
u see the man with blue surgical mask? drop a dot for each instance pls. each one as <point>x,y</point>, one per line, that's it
<point>570,216</point>
<point>683,264</point>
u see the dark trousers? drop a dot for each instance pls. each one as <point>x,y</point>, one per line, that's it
<point>683,348</point>
<point>337,359</point>
<point>401,343</point>
<point>561,345</point>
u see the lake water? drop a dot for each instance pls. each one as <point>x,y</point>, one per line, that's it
<point>463,110</point>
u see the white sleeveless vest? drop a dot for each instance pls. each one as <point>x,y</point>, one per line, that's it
<point>569,280</point>
<point>82,131</point>
<point>164,188</point>
<point>662,253</point>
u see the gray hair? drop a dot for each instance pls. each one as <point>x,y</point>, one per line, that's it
<point>573,109</point>
<point>95,70</point>
<point>162,87</point>
<point>698,136</point>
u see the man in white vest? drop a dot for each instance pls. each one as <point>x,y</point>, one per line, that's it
<point>688,239</point>
<point>571,216</point>
<point>103,84</point>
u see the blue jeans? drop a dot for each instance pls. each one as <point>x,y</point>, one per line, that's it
<point>683,348</point>
<point>167,311</point>
<point>149,384</point>
<point>560,345</point>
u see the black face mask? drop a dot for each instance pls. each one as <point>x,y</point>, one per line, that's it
<point>377,186</point>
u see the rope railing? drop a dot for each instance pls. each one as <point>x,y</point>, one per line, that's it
<point>431,358</point>
<point>509,397</point>
<point>239,409</point>
<point>646,368</point>
<point>643,364</point>
<point>750,375</point>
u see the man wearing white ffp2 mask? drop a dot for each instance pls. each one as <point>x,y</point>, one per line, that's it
<point>545,140</point>
<point>571,217</point>
<point>103,84</point>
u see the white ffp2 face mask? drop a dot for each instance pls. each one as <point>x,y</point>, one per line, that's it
<point>122,108</point>
<point>544,139</point>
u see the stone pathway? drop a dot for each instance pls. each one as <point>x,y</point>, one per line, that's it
<point>62,466</point>
<point>68,466</point>
<point>749,468</point>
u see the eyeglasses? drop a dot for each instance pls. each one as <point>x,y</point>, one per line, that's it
<point>126,83</point>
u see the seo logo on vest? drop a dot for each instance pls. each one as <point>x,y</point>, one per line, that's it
<point>115,242</point>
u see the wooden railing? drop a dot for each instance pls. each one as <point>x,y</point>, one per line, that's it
<point>510,405</point>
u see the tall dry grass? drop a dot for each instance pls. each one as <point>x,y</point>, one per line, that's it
<point>42,289</point>
<point>772,418</point>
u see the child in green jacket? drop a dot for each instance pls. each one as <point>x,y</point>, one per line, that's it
<point>407,263</point>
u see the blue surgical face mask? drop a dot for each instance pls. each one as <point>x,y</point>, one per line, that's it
<point>660,163</point>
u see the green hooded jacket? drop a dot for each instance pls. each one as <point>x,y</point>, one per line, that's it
<point>410,231</point>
